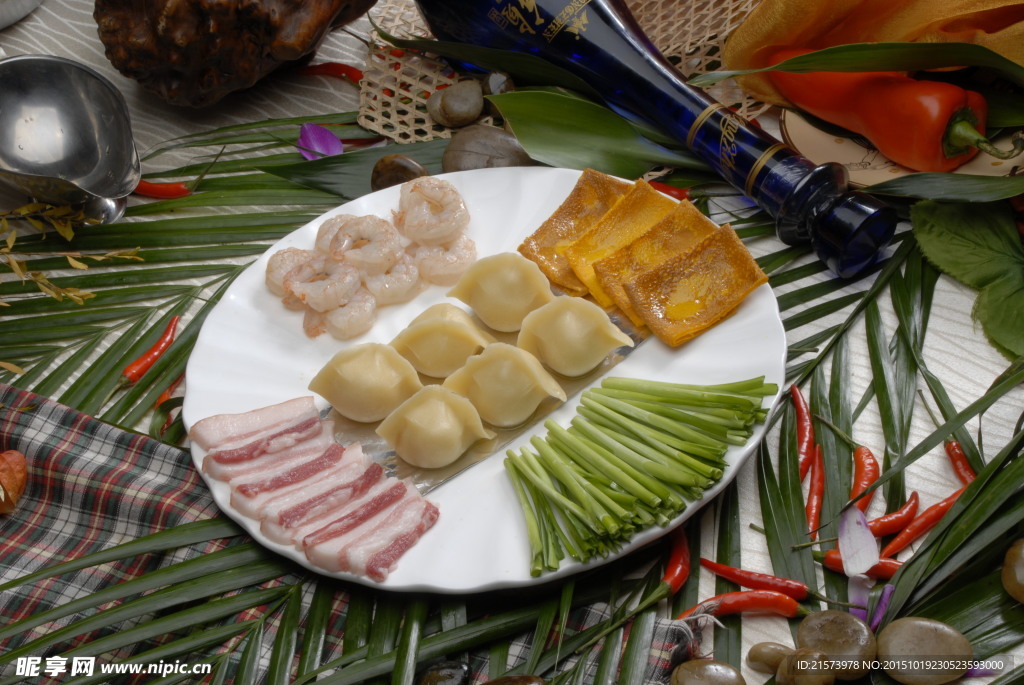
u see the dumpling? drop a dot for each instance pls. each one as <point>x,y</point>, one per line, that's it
<point>433,428</point>
<point>570,335</point>
<point>505,383</point>
<point>444,310</point>
<point>366,382</point>
<point>438,345</point>
<point>502,289</point>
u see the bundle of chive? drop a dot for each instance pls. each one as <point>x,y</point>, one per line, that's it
<point>634,454</point>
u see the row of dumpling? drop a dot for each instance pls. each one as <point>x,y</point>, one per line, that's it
<point>482,381</point>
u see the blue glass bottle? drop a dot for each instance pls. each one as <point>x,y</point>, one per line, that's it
<point>600,42</point>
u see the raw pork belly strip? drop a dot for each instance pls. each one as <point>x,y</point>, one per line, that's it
<point>291,525</point>
<point>307,449</point>
<point>267,502</point>
<point>264,426</point>
<point>284,469</point>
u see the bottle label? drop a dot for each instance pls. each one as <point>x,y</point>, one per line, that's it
<point>525,17</point>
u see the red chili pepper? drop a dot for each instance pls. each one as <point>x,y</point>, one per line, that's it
<point>923,125</point>
<point>885,569</point>
<point>334,69</point>
<point>162,191</point>
<point>924,522</point>
<point>134,371</point>
<point>896,521</point>
<point>671,190</point>
<point>865,472</point>
<point>757,581</point>
<point>678,569</point>
<point>804,431</point>
<point>815,493</point>
<point>958,460</point>
<point>748,601</point>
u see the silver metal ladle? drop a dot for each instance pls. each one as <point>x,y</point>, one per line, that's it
<point>66,136</point>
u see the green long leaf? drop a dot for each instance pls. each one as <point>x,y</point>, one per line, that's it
<point>182,535</point>
<point>181,593</point>
<point>283,651</point>
<point>949,187</point>
<point>598,138</point>
<point>409,642</point>
<point>231,557</point>
<point>315,627</point>
<point>729,635</point>
<point>884,57</point>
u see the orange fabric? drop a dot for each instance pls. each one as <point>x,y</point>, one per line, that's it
<point>817,24</point>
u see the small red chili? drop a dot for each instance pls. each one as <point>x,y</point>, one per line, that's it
<point>815,493</point>
<point>958,460</point>
<point>804,431</point>
<point>924,522</point>
<point>134,371</point>
<point>671,190</point>
<point>757,581</point>
<point>865,472</point>
<point>896,521</point>
<point>885,569</point>
<point>748,601</point>
<point>677,571</point>
<point>333,69</point>
<point>162,191</point>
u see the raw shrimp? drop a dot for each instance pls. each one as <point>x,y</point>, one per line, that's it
<point>280,263</point>
<point>369,243</point>
<point>443,264</point>
<point>354,318</point>
<point>398,284</point>
<point>322,284</point>
<point>313,323</point>
<point>328,229</point>
<point>430,211</point>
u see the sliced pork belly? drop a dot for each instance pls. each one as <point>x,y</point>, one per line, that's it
<point>249,434</point>
<point>377,553</point>
<point>305,450</point>
<point>322,506</point>
<point>277,479</point>
<point>270,502</point>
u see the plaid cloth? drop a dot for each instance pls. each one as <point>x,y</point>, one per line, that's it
<point>92,486</point>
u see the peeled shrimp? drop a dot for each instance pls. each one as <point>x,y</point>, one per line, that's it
<point>328,229</point>
<point>430,211</point>
<point>313,323</point>
<point>398,284</point>
<point>280,263</point>
<point>321,283</point>
<point>354,318</point>
<point>443,264</point>
<point>369,243</point>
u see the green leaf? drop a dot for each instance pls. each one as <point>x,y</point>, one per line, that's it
<point>180,536</point>
<point>348,175</point>
<point>980,247</point>
<point>951,187</point>
<point>976,245</point>
<point>598,138</point>
<point>282,652</point>
<point>884,57</point>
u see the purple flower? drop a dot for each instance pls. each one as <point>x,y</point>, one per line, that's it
<point>316,141</point>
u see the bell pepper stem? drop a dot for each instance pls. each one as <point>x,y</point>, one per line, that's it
<point>962,135</point>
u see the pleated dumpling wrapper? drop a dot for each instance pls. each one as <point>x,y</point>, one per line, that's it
<point>505,383</point>
<point>433,428</point>
<point>686,295</point>
<point>593,195</point>
<point>440,340</point>
<point>570,335</point>
<point>502,289</point>
<point>366,382</point>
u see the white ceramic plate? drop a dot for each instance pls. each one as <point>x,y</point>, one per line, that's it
<point>251,353</point>
<point>867,165</point>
